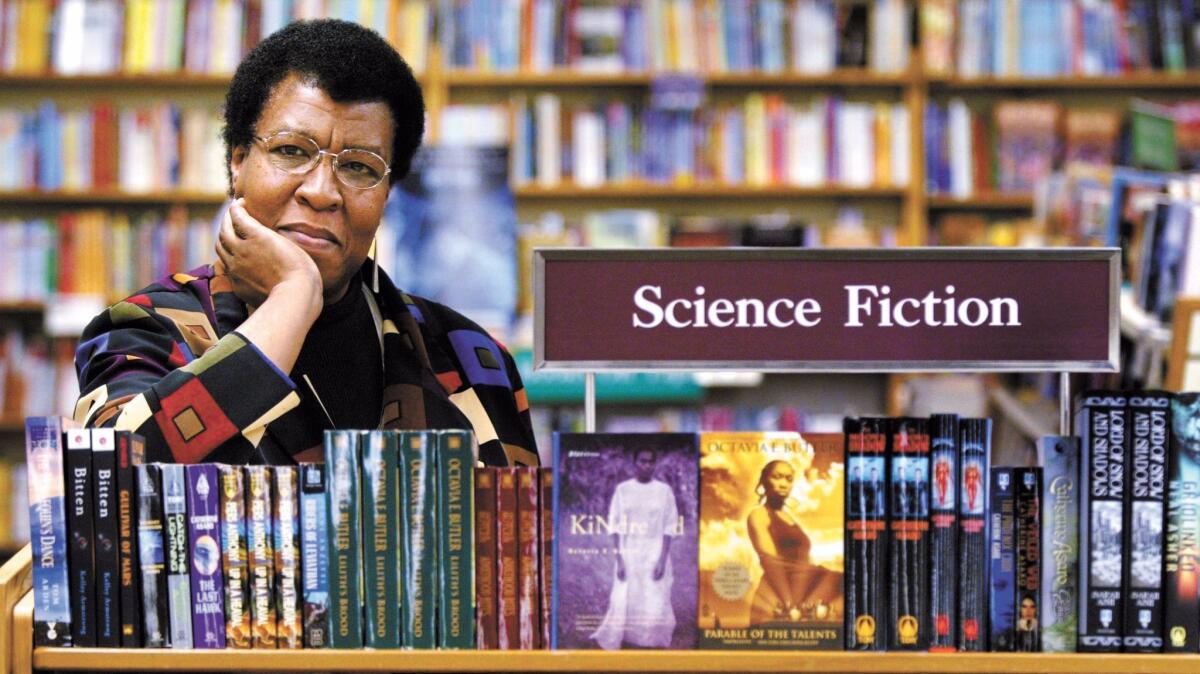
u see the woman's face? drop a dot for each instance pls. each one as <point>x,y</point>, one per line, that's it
<point>332,222</point>
<point>779,480</point>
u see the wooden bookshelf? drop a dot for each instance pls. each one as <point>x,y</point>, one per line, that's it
<point>851,77</point>
<point>21,307</point>
<point>160,80</point>
<point>9,425</point>
<point>1131,82</point>
<point>704,191</point>
<point>93,197</point>
<point>983,202</point>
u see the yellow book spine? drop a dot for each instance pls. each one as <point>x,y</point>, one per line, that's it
<point>36,43</point>
<point>883,145</point>
<point>757,171</point>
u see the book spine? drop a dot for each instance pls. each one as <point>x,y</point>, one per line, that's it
<point>529,608</point>
<point>81,525</point>
<point>943,519</point>
<point>507,573</point>
<point>128,458</point>
<point>234,560</point>
<point>456,539</point>
<point>486,591</point>
<point>345,569</point>
<point>48,531</point>
<point>204,536</point>
<point>1101,427</point>
<point>156,619</point>
<point>285,489</point>
<point>909,615</point>
<point>546,544</point>
<point>108,563</point>
<point>975,450</point>
<point>264,629</point>
<point>1146,477</point>
<point>866,523</point>
<point>179,583</point>
<point>1059,458</point>
<point>1028,631</point>
<point>381,542</point>
<point>420,544</point>
<point>314,555</point>
<point>1002,587</point>
<point>1181,563</point>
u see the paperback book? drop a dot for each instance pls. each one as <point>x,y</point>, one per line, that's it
<point>456,539</point>
<point>130,451</point>
<point>314,527</point>
<point>108,564</point>
<point>1149,443</point>
<point>943,518</point>
<point>155,618</point>
<point>286,526</point>
<point>179,580</point>
<point>1181,562</point>
<point>261,554</point>
<point>381,538</point>
<point>486,587</point>
<point>1003,560</point>
<point>80,521</point>
<point>908,527</point>
<point>1027,628</point>
<point>975,442</point>
<point>866,523</point>
<point>204,535</point>
<point>345,539</point>
<point>234,560</point>
<point>418,529</point>
<point>1059,607</point>
<point>48,532</point>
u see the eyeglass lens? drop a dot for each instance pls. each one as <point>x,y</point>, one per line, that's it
<point>296,153</point>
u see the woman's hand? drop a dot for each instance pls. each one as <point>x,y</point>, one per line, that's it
<point>260,261</point>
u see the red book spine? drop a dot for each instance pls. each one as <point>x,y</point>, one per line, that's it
<point>507,564</point>
<point>66,253</point>
<point>546,513</point>
<point>486,624</point>
<point>529,609</point>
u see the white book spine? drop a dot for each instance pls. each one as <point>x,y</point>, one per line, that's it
<point>549,140</point>
<point>901,145</point>
<point>588,152</point>
<point>961,161</point>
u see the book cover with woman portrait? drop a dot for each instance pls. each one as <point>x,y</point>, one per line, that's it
<point>771,555</point>
<point>625,540</point>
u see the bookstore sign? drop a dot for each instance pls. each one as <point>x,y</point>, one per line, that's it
<point>916,309</point>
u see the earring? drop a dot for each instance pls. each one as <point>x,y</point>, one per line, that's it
<point>374,265</point>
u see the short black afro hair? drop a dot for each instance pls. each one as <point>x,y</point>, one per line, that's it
<point>347,61</point>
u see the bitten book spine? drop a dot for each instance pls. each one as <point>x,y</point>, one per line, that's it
<point>1100,422</point>
<point>909,616</point>
<point>234,561</point>
<point>486,589</point>
<point>866,523</point>
<point>507,560</point>
<point>48,532</point>
<point>179,582</point>
<point>943,518</point>
<point>975,450</point>
<point>156,618</point>
<point>1028,631</point>
<point>259,545</point>
<point>1059,608</point>
<point>419,556</point>
<point>529,607</point>
<point>81,526</point>
<point>1003,592</point>
<point>1146,476</point>
<point>286,526</point>
<point>108,563</point>
<point>456,539</point>
<point>314,554</point>
<point>546,545</point>
<point>345,539</point>
<point>1181,564</point>
<point>204,535</point>
<point>129,456</point>
<point>381,538</point>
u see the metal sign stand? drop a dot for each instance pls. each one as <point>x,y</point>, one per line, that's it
<point>589,402</point>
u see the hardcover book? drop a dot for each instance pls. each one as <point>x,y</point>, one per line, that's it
<point>314,532</point>
<point>179,582</point>
<point>1003,561</point>
<point>908,528</point>
<point>130,451</point>
<point>204,536</point>
<point>1149,443</point>
<point>546,543</point>
<point>48,531</point>
<point>381,538</point>
<point>156,620</point>
<point>1059,608</point>
<point>975,444</point>
<point>108,563</point>
<point>261,556</point>
<point>771,551</point>
<point>289,618</point>
<point>81,527</point>
<point>486,588</point>
<point>943,519</point>
<point>625,514</point>
<point>1027,628</point>
<point>234,559</point>
<point>529,609</point>
<point>418,528</point>
<point>345,539</point>
<point>1181,561</point>
<point>866,522</point>
<point>456,539</point>
<point>508,634</point>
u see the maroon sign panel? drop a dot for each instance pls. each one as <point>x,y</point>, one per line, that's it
<point>827,310</point>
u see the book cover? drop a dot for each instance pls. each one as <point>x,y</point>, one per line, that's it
<point>234,558</point>
<point>486,587</point>
<point>1146,475</point>
<point>1181,558</point>
<point>82,531</point>
<point>975,445</point>
<point>204,535</point>
<point>286,526</point>
<point>1027,628</point>
<point>507,633</point>
<point>943,536</point>
<point>418,528</point>
<point>546,552</point>
<point>771,541</point>
<point>866,515</point>
<point>1003,559</point>
<point>48,531</point>
<point>261,557</point>
<point>345,539</point>
<point>130,451</point>
<point>108,563</point>
<point>314,557</point>
<point>625,517</point>
<point>1059,608</point>
<point>156,620</point>
<point>1100,423</point>
<point>529,609</point>
<point>381,538</point>
<point>175,529</point>
<point>456,539</point>
<point>908,528</point>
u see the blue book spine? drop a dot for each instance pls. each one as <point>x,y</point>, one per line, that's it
<point>179,590</point>
<point>48,532</point>
<point>314,555</point>
<point>204,543</point>
<point>1003,500</point>
<point>151,560</point>
<point>1059,608</point>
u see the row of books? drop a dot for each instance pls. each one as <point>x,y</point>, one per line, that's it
<point>1049,38</point>
<point>14,505</point>
<point>93,37</point>
<point>37,374</point>
<point>696,36</point>
<point>133,149</point>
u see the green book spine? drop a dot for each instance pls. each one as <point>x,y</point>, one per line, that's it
<point>456,539</point>
<point>381,538</point>
<point>420,544</point>
<point>345,568</point>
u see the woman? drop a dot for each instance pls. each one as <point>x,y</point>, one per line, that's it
<point>293,330</point>
<point>792,587</point>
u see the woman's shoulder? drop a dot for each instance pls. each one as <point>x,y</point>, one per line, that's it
<point>759,516</point>
<point>180,290</point>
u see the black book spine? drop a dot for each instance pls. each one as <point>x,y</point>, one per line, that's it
<point>1002,538</point>
<point>943,535</point>
<point>1145,503</point>
<point>975,451</point>
<point>1101,426</point>
<point>81,537</point>
<point>1028,631</point>
<point>909,615</point>
<point>129,456</point>
<point>151,556</point>
<point>866,524</point>
<point>108,563</point>
<point>1181,561</point>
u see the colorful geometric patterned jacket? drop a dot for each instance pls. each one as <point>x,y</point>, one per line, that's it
<point>168,364</point>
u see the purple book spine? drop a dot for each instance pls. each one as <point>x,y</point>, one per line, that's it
<point>208,588</point>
